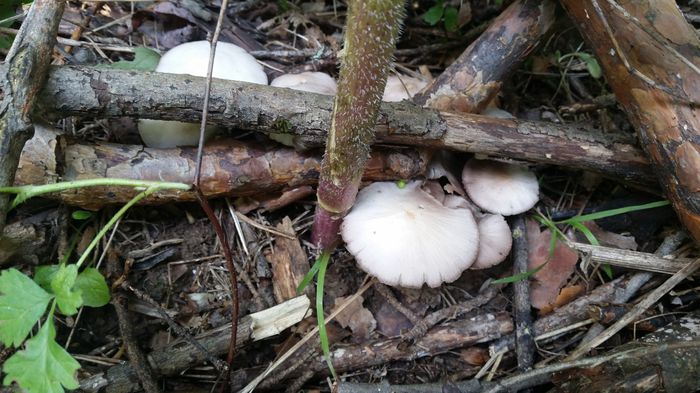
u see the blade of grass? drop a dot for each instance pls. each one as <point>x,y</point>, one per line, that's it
<point>309,276</point>
<point>613,212</point>
<point>320,316</point>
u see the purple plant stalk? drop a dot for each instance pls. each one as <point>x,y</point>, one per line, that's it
<point>371,32</point>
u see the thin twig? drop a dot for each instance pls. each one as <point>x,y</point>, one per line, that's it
<point>524,337</point>
<point>638,310</point>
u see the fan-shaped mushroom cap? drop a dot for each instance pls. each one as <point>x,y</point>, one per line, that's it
<point>230,62</point>
<point>495,241</point>
<point>405,237</point>
<point>500,188</point>
<point>313,82</point>
<point>402,88</point>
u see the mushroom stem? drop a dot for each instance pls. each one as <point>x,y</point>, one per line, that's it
<point>372,30</point>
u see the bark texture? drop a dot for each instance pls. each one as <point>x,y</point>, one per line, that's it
<point>22,76</point>
<point>84,91</point>
<point>469,84</point>
<point>648,51</point>
<point>229,167</point>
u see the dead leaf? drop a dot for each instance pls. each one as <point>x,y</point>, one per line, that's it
<point>566,295</point>
<point>356,317</point>
<point>546,283</point>
<point>611,239</point>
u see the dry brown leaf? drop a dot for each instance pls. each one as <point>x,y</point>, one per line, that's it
<point>356,317</point>
<point>566,295</point>
<point>546,283</point>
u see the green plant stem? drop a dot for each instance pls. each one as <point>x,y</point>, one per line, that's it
<point>30,191</point>
<point>114,220</point>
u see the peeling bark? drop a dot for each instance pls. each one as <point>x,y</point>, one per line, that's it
<point>229,167</point>
<point>659,88</point>
<point>474,79</point>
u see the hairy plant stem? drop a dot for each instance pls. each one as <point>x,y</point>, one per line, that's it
<point>370,39</point>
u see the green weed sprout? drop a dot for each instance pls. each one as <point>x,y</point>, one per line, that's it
<point>43,366</point>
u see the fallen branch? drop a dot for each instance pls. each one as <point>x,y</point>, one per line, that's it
<point>84,91</point>
<point>181,355</point>
<point>229,167</point>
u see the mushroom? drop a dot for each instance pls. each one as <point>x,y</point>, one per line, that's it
<point>230,62</point>
<point>500,188</point>
<point>495,241</point>
<point>313,82</point>
<point>405,237</point>
<point>399,88</point>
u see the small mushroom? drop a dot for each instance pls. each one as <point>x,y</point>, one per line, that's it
<point>495,241</point>
<point>500,188</point>
<point>230,62</point>
<point>405,237</point>
<point>313,82</point>
<point>399,88</point>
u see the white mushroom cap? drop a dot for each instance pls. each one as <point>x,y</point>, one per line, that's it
<point>231,62</point>
<point>405,237</point>
<point>499,113</point>
<point>500,188</point>
<point>402,88</point>
<point>313,82</point>
<point>495,241</point>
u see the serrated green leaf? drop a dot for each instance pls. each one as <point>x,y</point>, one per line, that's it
<point>43,366</point>
<point>434,14</point>
<point>93,287</point>
<point>451,16</point>
<point>144,60</point>
<point>22,303</point>
<point>63,285</point>
<point>81,215</point>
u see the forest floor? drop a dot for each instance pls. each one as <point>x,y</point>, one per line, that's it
<point>436,338</point>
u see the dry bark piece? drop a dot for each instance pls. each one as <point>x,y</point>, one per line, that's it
<point>648,53</point>
<point>289,263</point>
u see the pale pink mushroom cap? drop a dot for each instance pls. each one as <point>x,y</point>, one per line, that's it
<point>230,62</point>
<point>405,237</point>
<point>313,82</point>
<point>495,241</point>
<point>500,188</point>
<point>402,89</point>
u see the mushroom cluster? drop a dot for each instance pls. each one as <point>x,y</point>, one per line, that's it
<point>417,235</point>
<point>230,62</point>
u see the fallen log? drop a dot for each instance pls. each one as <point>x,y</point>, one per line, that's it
<point>85,91</point>
<point>649,53</point>
<point>229,168</point>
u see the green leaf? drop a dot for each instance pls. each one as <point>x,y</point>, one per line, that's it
<point>309,276</point>
<point>320,316</point>
<point>614,212</point>
<point>144,60</point>
<point>62,284</point>
<point>22,303</point>
<point>593,67</point>
<point>93,287</point>
<point>43,276</point>
<point>519,276</point>
<point>43,366</point>
<point>451,16</point>
<point>434,14</point>
<point>81,215</point>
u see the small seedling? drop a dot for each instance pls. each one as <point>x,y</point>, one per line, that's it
<point>43,366</point>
